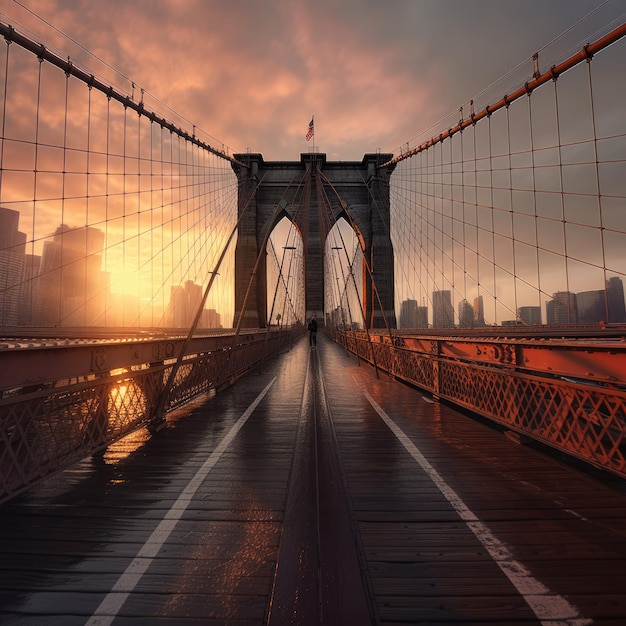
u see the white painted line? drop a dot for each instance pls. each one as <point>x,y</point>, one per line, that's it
<point>126,583</point>
<point>550,608</point>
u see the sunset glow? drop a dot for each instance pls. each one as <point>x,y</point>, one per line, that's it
<point>111,204</point>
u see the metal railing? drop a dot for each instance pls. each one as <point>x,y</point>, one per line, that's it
<point>101,392</point>
<point>568,394</point>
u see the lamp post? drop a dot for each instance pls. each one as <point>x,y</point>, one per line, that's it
<point>280,278</point>
<point>339,305</point>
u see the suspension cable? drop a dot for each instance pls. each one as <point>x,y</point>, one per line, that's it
<point>555,71</point>
<point>159,412</point>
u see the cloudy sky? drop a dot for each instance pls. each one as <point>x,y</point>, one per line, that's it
<point>375,75</point>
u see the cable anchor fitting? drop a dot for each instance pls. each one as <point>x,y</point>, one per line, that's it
<point>536,72</point>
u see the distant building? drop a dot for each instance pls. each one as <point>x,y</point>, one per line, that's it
<point>443,311</point>
<point>602,305</point>
<point>615,300</point>
<point>12,260</point>
<point>413,316</point>
<point>183,308</point>
<point>591,306</point>
<point>176,314</point>
<point>530,315</point>
<point>562,308</point>
<point>71,283</point>
<point>29,310</point>
<point>466,314</point>
<point>211,319</point>
<point>479,311</point>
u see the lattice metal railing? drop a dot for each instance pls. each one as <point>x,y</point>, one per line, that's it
<point>525,386</point>
<point>49,425</point>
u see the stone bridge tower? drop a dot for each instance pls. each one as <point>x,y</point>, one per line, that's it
<point>269,191</point>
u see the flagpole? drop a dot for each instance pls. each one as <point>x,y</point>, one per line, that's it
<point>311,132</point>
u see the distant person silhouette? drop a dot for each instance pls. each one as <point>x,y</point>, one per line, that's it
<point>312,332</point>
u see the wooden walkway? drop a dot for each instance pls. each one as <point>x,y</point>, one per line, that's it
<point>315,493</point>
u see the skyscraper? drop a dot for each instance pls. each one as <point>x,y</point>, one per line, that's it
<point>479,311</point>
<point>29,291</point>
<point>183,308</point>
<point>615,300</point>
<point>443,311</point>
<point>591,306</point>
<point>466,314</point>
<point>562,308</point>
<point>413,316</point>
<point>12,259</point>
<point>530,315</point>
<point>71,285</point>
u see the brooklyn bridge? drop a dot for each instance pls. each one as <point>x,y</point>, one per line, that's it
<point>176,447</point>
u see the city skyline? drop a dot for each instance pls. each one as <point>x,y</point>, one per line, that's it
<point>597,307</point>
<point>67,286</point>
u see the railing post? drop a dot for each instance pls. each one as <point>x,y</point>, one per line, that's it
<point>435,349</point>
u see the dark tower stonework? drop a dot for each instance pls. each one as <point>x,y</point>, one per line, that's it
<point>356,191</point>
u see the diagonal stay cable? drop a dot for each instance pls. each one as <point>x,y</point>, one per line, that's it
<point>157,419</point>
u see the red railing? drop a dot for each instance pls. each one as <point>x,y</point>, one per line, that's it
<point>569,394</point>
<point>59,404</point>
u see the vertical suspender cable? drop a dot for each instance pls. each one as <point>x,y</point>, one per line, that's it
<point>427,225</point>
<point>477,317</point>
<point>171,213</point>
<point>562,196</point>
<point>107,302</point>
<point>493,227</point>
<point>94,293</point>
<point>32,312</point>
<point>184,222</point>
<point>598,190</point>
<point>60,317</point>
<point>124,168</point>
<point>4,108</point>
<point>4,115</point>
<point>141,310</point>
<point>455,221</point>
<point>535,215</point>
<point>161,231</point>
<point>444,279</point>
<point>179,212</point>
<point>152,231</point>
<point>511,211</point>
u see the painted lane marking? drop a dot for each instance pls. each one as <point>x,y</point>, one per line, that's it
<point>126,583</point>
<point>551,609</point>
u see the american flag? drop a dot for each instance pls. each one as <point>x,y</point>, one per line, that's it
<point>311,132</point>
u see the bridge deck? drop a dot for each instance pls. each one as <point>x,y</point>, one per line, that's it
<point>339,499</point>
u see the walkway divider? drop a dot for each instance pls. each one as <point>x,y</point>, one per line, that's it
<point>113,602</point>
<point>549,607</point>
